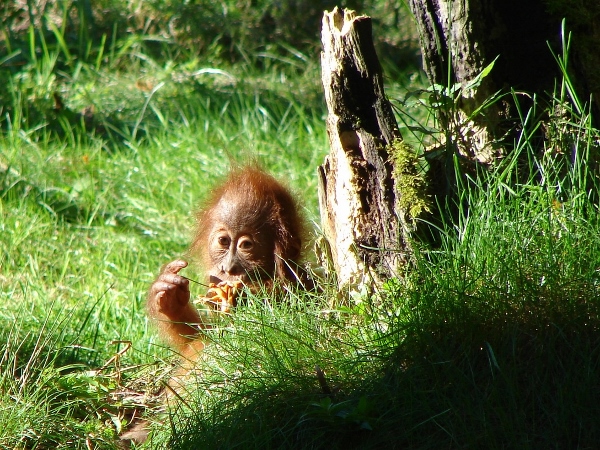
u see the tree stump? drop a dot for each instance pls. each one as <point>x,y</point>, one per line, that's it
<point>357,196</point>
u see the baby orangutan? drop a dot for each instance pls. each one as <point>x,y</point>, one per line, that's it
<point>249,233</point>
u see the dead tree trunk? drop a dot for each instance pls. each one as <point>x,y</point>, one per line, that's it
<point>357,195</point>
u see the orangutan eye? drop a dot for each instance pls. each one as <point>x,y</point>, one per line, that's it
<point>245,243</point>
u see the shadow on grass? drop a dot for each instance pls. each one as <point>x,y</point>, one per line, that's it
<point>453,386</point>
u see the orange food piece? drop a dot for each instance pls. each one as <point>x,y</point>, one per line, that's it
<point>223,296</point>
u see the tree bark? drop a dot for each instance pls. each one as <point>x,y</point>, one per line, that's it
<point>459,38</point>
<point>359,213</point>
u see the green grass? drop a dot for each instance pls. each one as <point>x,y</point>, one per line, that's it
<point>489,341</point>
<point>97,193</point>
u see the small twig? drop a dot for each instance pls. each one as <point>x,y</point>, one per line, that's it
<point>116,359</point>
<point>194,281</point>
<point>322,381</point>
<point>170,388</point>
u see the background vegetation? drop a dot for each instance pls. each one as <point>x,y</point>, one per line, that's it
<point>117,118</point>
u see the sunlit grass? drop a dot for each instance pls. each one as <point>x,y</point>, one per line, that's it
<point>93,206</point>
